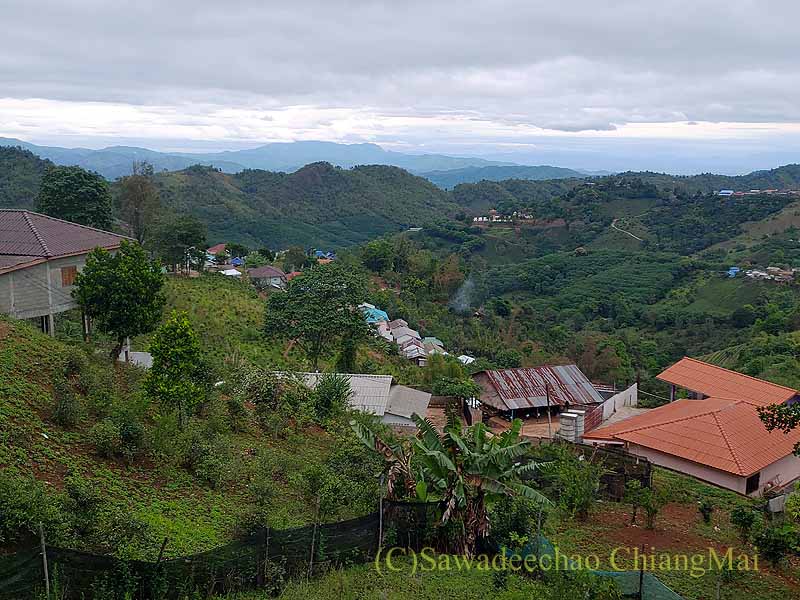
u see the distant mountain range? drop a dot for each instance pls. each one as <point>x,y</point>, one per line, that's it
<point>451,178</point>
<point>116,161</point>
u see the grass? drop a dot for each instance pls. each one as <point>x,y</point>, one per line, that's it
<point>164,499</point>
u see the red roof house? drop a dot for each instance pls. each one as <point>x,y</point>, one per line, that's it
<point>40,257</point>
<point>720,438</point>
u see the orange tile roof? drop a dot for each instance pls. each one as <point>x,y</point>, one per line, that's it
<point>717,432</point>
<point>713,381</point>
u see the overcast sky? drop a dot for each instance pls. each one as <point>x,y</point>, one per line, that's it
<point>678,85</point>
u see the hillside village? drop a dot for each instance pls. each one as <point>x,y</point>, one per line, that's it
<point>713,428</point>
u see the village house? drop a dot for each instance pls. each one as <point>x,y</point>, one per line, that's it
<point>267,277</point>
<point>716,434</point>
<point>40,258</point>
<point>540,396</point>
<point>379,395</point>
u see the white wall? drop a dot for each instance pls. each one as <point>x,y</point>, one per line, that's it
<point>629,397</point>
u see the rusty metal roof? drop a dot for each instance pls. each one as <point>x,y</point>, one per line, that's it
<point>528,388</point>
<point>26,233</point>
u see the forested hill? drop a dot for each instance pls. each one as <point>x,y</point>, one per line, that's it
<point>20,173</point>
<point>781,178</point>
<point>319,205</point>
<point>450,179</point>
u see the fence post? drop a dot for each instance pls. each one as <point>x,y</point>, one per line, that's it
<point>313,538</point>
<point>380,516</point>
<point>262,561</point>
<point>641,578</point>
<point>44,561</point>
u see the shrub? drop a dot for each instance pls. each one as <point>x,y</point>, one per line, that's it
<point>574,480</point>
<point>211,458</point>
<point>706,508</point>
<point>777,541</point>
<point>67,406</point>
<point>743,518</point>
<point>24,503</point>
<point>82,502</point>
<point>331,396</point>
<point>515,518</point>
<point>106,439</point>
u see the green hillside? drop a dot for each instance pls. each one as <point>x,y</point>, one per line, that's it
<point>317,205</point>
<point>450,179</point>
<point>20,174</point>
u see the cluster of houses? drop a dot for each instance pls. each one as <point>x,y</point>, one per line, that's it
<point>714,433</point>
<point>495,217</point>
<point>776,192</point>
<point>264,278</point>
<point>772,274</point>
<point>410,343</point>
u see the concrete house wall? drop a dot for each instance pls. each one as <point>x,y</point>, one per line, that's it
<point>780,472</point>
<point>36,291</point>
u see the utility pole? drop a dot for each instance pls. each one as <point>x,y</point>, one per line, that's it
<point>549,424</point>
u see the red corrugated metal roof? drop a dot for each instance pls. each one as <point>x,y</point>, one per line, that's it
<point>711,380</point>
<point>717,432</point>
<point>30,234</point>
<point>528,388</point>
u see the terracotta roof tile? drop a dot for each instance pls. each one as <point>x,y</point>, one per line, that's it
<point>711,380</point>
<point>718,432</point>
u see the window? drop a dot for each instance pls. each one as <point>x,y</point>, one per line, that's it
<point>752,483</point>
<point>68,275</point>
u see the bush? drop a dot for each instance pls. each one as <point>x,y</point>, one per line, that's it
<point>331,396</point>
<point>777,541</point>
<point>106,439</point>
<point>706,508</point>
<point>514,519</point>
<point>67,410</point>
<point>574,481</point>
<point>743,518</point>
<point>24,503</point>
<point>211,458</point>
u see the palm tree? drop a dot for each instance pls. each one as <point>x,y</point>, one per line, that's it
<point>466,470</point>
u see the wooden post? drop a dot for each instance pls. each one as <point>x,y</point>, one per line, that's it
<point>313,539</point>
<point>380,517</point>
<point>44,562</point>
<point>260,566</point>
<point>549,424</point>
<point>161,552</point>
<point>641,578</point>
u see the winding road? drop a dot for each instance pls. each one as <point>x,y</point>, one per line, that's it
<point>614,226</point>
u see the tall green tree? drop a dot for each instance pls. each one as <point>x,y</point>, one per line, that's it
<point>179,240</point>
<point>121,292</point>
<point>139,201</point>
<point>76,195</point>
<point>318,310</point>
<point>177,378</point>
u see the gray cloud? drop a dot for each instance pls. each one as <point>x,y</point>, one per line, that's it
<point>570,66</point>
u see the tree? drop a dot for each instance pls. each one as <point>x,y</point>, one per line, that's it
<point>318,309</point>
<point>121,292</point>
<point>295,259</point>
<point>177,378</point>
<point>139,201</point>
<point>179,240</point>
<point>465,470</point>
<point>378,255</point>
<point>237,250</point>
<point>76,195</point>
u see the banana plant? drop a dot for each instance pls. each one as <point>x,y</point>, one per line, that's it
<point>466,470</point>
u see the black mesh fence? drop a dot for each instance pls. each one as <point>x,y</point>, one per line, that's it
<point>263,559</point>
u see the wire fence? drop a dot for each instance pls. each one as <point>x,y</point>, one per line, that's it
<point>263,560</point>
